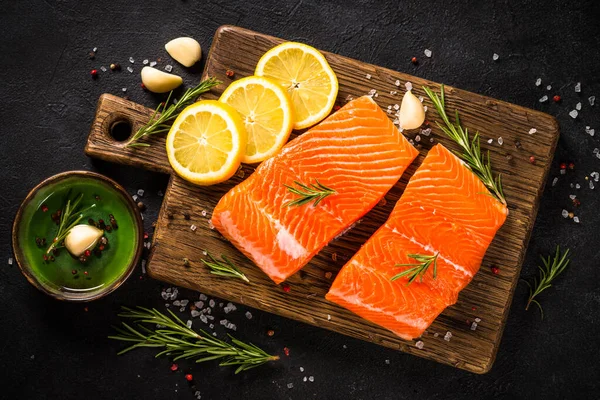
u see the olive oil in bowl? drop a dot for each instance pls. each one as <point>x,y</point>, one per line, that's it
<point>103,267</point>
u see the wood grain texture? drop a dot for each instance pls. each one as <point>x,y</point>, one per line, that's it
<point>487,297</point>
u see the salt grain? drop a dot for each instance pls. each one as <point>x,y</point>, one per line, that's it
<point>408,86</point>
<point>160,193</point>
<point>203,318</point>
<point>490,141</point>
<point>427,53</point>
<point>203,213</point>
<point>130,70</point>
<point>103,68</point>
<point>301,369</point>
<point>184,302</point>
<point>578,106</point>
<point>95,49</point>
<point>554,181</point>
<point>426,132</point>
<point>311,378</point>
<point>543,99</point>
<point>591,185</point>
<point>193,228</point>
<point>397,83</point>
<point>10,261</point>
<point>131,60</point>
<point>590,131</point>
<point>565,213</point>
<point>548,87</point>
<point>576,220</point>
<point>417,138</point>
<point>495,57</point>
<point>211,303</point>
<point>419,345</point>
<point>574,114</point>
<point>248,315</point>
<point>578,186</point>
<point>194,313</point>
<point>145,62</point>
<point>203,297</point>
<point>448,336</point>
<point>290,385</point>
<point>474,326</point>
<point>329,316</point>
<point>168,68</point>
<point>304,379</point>
<point>578,87</point>
<point>436,334</point>
<point>478,320</point>
<point>500,141</point>
<point>532,131</point>
<point>189,323</point>
<point>592,100</point>
<point>396,107</point>
<point>538,82</point>
<point>177,303</point>
<point>124,89</point>
<point>152,63</point>
<point>368,76</point>
<point>572,196</point>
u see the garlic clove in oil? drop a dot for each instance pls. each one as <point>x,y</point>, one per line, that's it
<point>159,82</point>
<point>81,238</point>
<point>184,50</point>
<point>412,112</point>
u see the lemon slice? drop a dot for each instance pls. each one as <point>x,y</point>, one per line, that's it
<point>305,74</point>
<point>267,114</point>
<point>206,142</point>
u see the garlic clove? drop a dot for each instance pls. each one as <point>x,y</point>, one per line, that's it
<point>159,82</point>
<point>184,50</point>
<point>81,238</point>
<point>412,113</point>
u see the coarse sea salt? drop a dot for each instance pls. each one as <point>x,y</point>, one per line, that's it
<point>578,186</point>
<point>145,62</point>
<point>189,323</point>
<point>495,57</point>
<point>448,336</point>
<point>592,185</point>
<point>538,82</point>
<point>397,83</point>
<point>532,131</point>
<point>576,220</point>
<point>290,385</point>
<point>193,228</point>
<point>554,181</point>
<point>368,76</point>
<point>427,53</point>
<point>578,106</point>
<point>592,100</point>
<point>168,68</point>
<point>311,378</point>
<point>152,63</point>
<point>543,99</point>
<point>103,68</point>
<point>490,141</point>
<point>10,261</point>
<point>248,315</point>
<point>194,313</point>
<point>419,344</point>
<point>548,87</point>
<point>131,60</point>
<point>574,114</point>
<point>408,86</point>
<point>578,87</point>
<point>130,70</point>
<point>500,141</point>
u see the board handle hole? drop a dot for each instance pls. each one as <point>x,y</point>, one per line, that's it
<point>120,130</point>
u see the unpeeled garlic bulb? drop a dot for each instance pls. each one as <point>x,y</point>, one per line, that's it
<point>81,238</point>
<point>184,50</point>
<point>159,82</point>
<point>412,113</point>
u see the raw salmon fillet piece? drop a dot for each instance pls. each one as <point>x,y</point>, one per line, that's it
<point>445,210</point>
<point>357,151</point>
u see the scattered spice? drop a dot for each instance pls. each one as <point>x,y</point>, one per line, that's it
<point>556,99</point>
<point>286,351</point>
<point>495,270</point>
<point>229,73</point>
<point>94,73</point>
<point>532,159</point>
<point>336,107</point>
<point>270,332</point>
<point>328,275</point>
<point>44,208</point>
<point>186,262</point>
<point>174,367</point>
<point>189,377</point>
<point>414,60</point>
<point>286,288</point>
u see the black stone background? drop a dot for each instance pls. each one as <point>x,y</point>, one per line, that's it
<point>52,350</point>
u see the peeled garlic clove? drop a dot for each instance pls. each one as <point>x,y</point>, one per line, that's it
<point>184,50</point>
<point>412,113</point>
<point>159,82</point>
<point>81,238</point>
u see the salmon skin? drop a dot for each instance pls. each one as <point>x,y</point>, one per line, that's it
<point>357,152</point>
<point>445,210</point>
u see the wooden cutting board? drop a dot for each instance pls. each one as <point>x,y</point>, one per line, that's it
<point>488,297</point>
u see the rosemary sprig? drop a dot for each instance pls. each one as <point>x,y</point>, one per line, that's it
<point>471,147</point>
<point>313,192</point>
<point>224,268</point>
<point>70,216</point>
<point>174,337</point>
<point>553,267</point>
<point>165,113</point>
<point>418,269</point>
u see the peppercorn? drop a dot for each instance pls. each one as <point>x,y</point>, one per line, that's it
<point>286,351</point>
<point>115,67</point>
<point>87,253</point>
<point>186,261</point>
<point>563,166</point>
<point>576,202</point>
<point>286,287</point>
<point>74,271</point>
<point>571,165</point>
<point>174,367</point>
<point>556,98</point>
<point>229,73</point>
<point>414,60</point>
<point>94,73</point>
<point>101,224</point>
<point>44,208</point>
<point>270,332</point>
<point>85,272</point>
<point>101,247</point>
<point>571,215</point>
<point>43,241</point>
<point>495,270</point>
<point>141,206</point>
<point>189,377</point>
<point>532,159</point>
<point>336,107</point>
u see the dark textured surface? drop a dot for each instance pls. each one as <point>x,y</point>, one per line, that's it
<point>55,350</point>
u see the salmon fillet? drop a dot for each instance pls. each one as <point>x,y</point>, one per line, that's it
<point>357,151</point>
<point>445,210</point>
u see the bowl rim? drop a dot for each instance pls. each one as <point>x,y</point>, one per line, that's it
<point>27,271</point>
